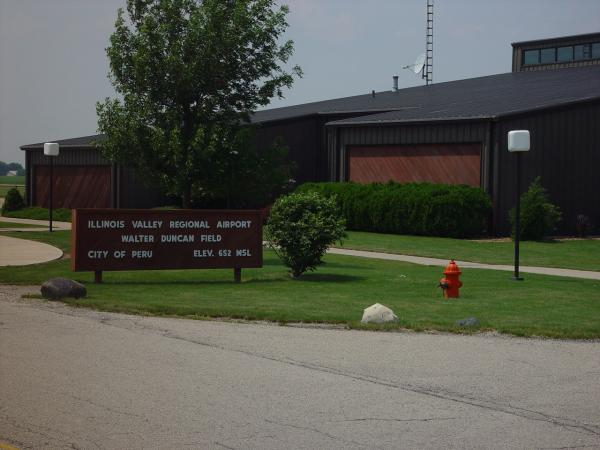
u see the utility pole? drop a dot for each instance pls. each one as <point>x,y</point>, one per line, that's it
<point>428,68</point>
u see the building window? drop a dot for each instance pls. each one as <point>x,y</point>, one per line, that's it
<point>564,54</point>
<point>548,55</point>
<point>532,57</point>
<point>582,51</point>
<point>561,54</point>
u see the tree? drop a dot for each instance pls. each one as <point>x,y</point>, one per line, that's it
<point>16,167</point>
<point>301,227</point>
<point>189,74</point>
<point>539,216</point>
<point>7,167</point>
<point>243,175</point>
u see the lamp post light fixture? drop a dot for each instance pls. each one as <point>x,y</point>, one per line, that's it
<point>518,142</point>
<point>51,149</point>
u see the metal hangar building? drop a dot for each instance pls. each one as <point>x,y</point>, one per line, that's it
<point>453,132</point>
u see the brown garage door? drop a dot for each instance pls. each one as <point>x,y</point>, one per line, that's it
<point>74,186</point>
<point>444,163</point>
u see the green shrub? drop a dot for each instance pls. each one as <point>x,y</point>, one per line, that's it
<point>13,201</point>
<point>412,208</point>
<point>300,228</point>
<point>583,225</point>
<point>539,217</point>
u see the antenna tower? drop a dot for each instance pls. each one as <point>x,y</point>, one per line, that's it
<point>428,68</point>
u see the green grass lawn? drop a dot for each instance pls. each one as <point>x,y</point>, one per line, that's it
<point>337,293</point>
<point>16,225</point>
<point>12,180</point>
<point>583,254</point>
<point>37,213</point>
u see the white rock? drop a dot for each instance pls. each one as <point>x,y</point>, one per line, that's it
<point>378,314</point>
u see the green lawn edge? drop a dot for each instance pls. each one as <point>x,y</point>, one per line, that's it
<point>16,225</point>
<point>38,213</point>
<point>337,293</point>
<point>578,254</point>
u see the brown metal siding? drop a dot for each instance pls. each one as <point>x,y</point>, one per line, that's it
<point>437,163</point>
<point>440,133</point>
<point>302,140</point>
<point>70,157</point>
<point>134,191</point>
<point>413,134</point>
<point>125,188</point>
<point>565,152</point>
<point>73,187</point>
<point>307,142</point>
<point>28,192</point>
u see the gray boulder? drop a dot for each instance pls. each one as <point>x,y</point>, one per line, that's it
<point>468,322</point>
<point>57,288</point>
<point>378,314</point>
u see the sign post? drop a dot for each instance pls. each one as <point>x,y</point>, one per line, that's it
<point>518,142</point>
<point>110,240</point>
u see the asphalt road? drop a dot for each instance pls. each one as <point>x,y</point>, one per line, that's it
<point>73,378</point>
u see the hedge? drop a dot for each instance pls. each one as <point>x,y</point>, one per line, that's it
<point>414,208</point>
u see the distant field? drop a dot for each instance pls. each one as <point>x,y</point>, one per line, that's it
<point>12,180</point>
<point>7,183</point>
<point>4,188</point>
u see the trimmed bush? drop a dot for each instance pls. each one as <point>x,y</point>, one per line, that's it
<point>13,201</point>
<point>539,217</point>
<point>413,208</point>
<point>300,228</point>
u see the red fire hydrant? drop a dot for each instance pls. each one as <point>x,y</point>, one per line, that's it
<point>451,283</point>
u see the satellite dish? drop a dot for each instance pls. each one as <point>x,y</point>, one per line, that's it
<point>417,66</point>
<point>419,63</point>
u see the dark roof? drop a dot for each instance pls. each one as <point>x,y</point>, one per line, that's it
<point>368,104</point>
<point>491,97</point>
<point>84,141</point>
<point>487,97</point>
<point>575,37</point>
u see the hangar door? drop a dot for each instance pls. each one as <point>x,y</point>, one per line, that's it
<point>435,163</point>
<point>74,186</point>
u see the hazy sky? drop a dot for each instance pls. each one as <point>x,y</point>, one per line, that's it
<point>53,67</point>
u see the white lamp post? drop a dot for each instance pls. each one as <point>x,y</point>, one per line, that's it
<point>518,142</point>
<point>51,149</point>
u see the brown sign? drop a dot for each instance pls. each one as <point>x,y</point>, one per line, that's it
<point>128,239</point>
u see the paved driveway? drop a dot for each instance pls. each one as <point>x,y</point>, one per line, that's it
<point>22,252</point>
<point>73,378</point>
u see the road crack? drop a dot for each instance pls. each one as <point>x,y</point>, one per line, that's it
<point>377,419</point>
<point>136,324</point>
<point>46,433</point>
<point>592,429</point>
<point>316,430</point>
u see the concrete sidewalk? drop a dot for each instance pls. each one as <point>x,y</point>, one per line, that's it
<point>43,224</point>
<point>21,252</point>
<point>590,275</point>
<point>26,251</point>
